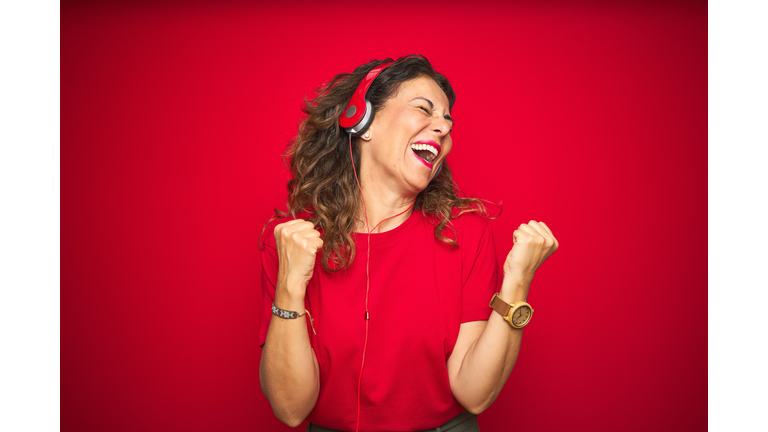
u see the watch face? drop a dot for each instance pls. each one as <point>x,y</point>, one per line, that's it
<point>521,316</point>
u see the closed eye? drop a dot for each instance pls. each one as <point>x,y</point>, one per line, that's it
<point>426,111</point>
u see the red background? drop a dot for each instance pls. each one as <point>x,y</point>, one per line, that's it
<point>590,117</point>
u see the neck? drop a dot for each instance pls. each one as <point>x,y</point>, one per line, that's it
<point>380,207</point>
<point>384,199</point>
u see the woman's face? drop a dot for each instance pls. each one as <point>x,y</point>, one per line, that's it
<point>409,137</point>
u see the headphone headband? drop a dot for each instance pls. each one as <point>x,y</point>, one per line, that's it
<point>356,111</point>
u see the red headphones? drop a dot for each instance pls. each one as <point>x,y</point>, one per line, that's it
<point>358,114</point>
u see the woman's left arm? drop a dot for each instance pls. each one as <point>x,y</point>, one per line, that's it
<point>486,351</point>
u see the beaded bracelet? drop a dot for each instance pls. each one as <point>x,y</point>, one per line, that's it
<point>292,315</point>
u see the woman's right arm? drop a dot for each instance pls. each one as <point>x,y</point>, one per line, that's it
<point>289,372</point>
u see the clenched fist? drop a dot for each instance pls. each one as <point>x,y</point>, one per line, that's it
<point>297,244</point>
<point>533,244</point>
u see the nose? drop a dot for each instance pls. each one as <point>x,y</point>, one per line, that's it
<point>441,126</point>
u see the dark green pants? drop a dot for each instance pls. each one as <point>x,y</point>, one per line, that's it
<point>464,422</point>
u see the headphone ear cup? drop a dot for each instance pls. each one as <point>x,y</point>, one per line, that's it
<point>365,122</point>
<point>352,120</point>
<point>439,169</point>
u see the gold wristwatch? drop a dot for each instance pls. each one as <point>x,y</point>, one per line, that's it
<point>517,314</point>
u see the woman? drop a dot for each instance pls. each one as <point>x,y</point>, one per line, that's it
<point>389,273</point>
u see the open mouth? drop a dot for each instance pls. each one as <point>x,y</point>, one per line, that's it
<point>425,151</point>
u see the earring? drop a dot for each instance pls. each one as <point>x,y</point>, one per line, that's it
<point>367,135</point>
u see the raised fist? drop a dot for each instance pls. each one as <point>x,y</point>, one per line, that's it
<point>297,244</point>
<point>533,244</point>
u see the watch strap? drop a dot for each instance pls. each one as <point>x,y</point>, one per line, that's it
<point>504,308</point>
<point>500,305</point>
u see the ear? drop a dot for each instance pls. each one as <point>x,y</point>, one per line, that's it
<point>367,136</point>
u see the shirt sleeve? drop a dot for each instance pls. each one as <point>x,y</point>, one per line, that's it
<point>481,274</point>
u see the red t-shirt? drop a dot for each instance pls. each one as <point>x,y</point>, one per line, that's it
<point>421,290</point>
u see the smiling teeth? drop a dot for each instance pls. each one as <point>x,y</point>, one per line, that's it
<point>426,147</point>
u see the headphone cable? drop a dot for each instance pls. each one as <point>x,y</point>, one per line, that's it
<point>367,274</point>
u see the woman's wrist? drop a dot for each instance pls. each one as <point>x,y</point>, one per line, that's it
<point>515,288</point>
<point>290,296</point>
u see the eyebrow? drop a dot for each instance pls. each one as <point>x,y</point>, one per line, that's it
<point>432,107</point>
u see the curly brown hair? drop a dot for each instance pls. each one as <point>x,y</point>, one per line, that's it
<point>323,182</point>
